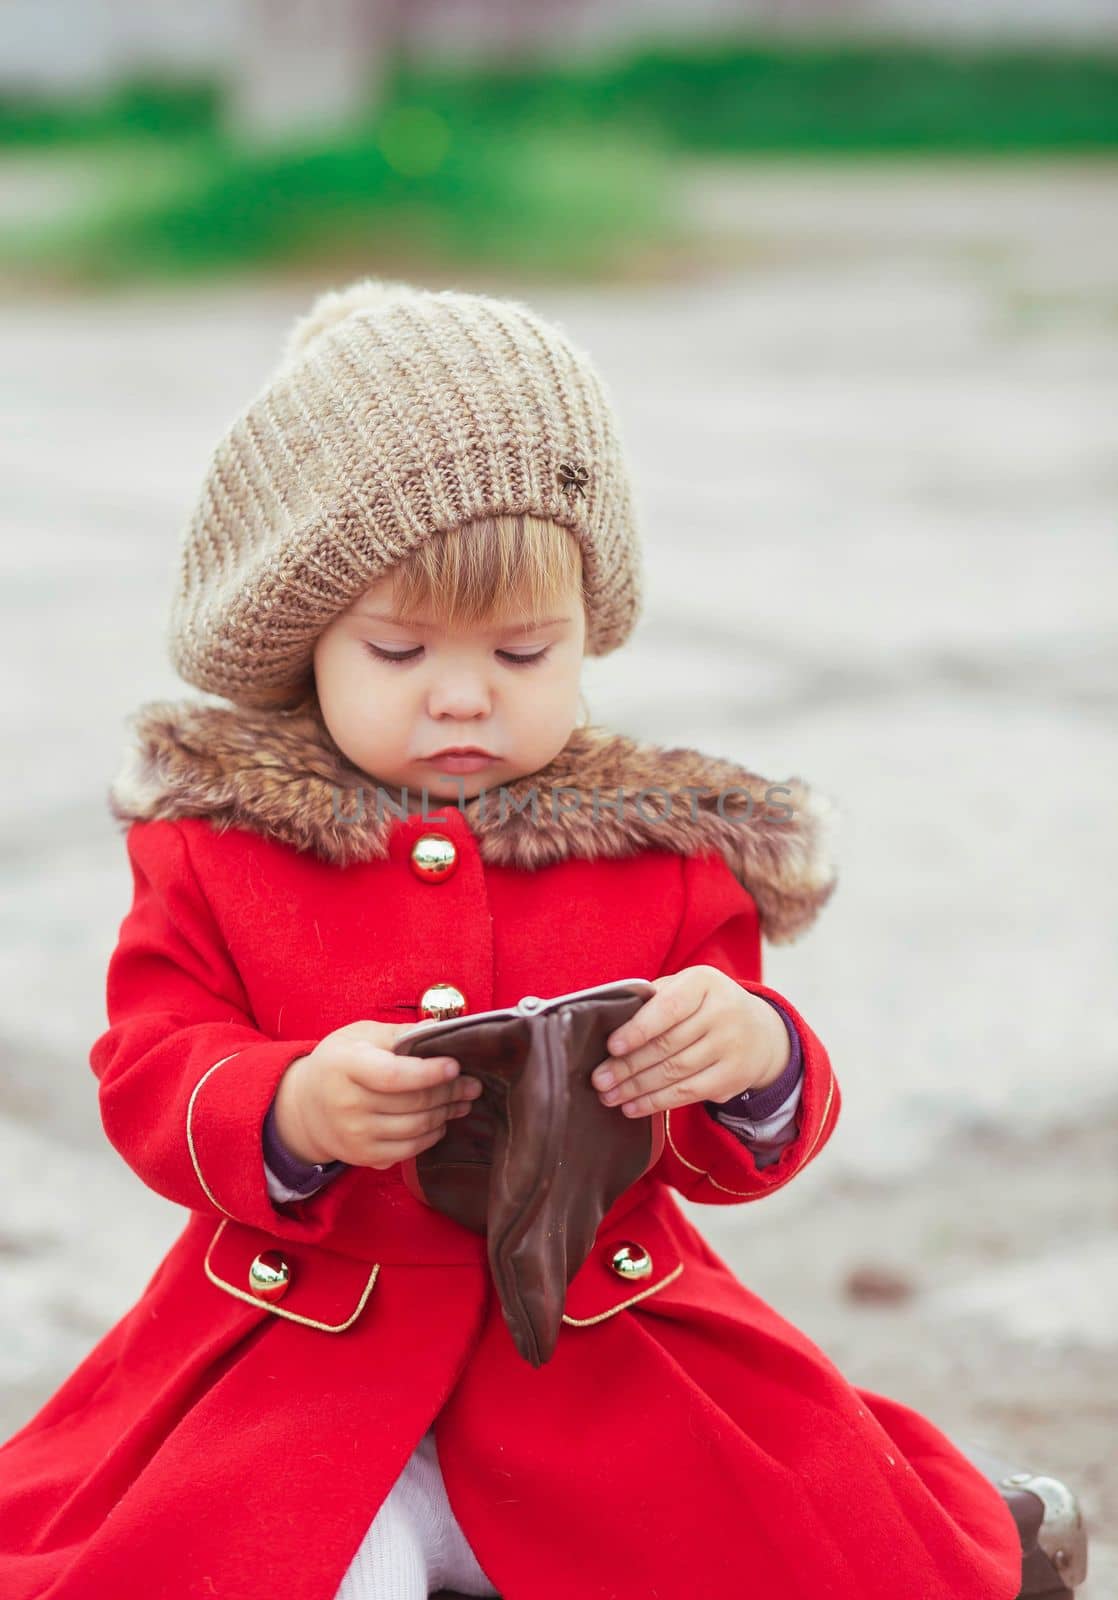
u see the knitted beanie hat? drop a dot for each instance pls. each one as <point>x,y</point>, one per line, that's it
<point>396,413</point>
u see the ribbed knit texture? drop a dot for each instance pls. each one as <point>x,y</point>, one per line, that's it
<point>396,414</point>
<point>414,1544</point>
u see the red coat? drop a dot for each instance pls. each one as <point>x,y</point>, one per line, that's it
<point>684,1441</point>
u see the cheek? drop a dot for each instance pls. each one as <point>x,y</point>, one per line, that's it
<point>335,664</point>
<point>551,695</point>
<point>359,698</point>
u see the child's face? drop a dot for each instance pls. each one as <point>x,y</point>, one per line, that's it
<point>509,688</point>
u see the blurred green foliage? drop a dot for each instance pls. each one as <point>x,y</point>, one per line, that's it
<point>167,189</point>
<point>133,109</point>
<point>566,167</point>
<point>535,201</point>
<point>817,96</point>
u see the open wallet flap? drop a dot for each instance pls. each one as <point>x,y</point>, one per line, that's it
<point>539,1160</point>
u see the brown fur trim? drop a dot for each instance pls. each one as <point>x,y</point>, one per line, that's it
<point>281,774</point>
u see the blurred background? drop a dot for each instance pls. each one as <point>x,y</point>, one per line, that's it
<point>850,268</point>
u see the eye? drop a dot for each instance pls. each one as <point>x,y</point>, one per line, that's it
<point>509,656</point>
<point>390,655</point>
<point>523,661</point>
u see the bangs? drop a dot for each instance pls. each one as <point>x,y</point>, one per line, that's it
<point>482,571</point>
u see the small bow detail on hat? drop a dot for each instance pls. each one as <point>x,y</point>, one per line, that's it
<point>573,476</point>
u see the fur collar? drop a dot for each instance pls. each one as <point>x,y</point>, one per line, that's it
<point>282,775</point>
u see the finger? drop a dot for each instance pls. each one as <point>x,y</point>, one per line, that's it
<point>365,1031</point>
<point>390,1102</point>
<point>703,1084</point>
<point>675,1038</point>
<point>387,1073</point>
<point>681,994</point>
<point>674,1069</point>
<point>387,1152</point>
<point>413,1124</point>
<point>442,1096</point>
<point>385,1141</point>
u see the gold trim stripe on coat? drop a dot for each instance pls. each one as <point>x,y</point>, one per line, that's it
<point>278,1311</point>
<point>206,1190</point>
<point>585,1322</point>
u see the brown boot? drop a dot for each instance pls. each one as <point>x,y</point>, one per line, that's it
<point>1049,1520</point>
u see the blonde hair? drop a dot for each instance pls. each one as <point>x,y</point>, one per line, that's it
<point>488,568</point>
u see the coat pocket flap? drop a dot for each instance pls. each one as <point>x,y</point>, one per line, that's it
<point>631,1259</point>
<point>294,1280</point>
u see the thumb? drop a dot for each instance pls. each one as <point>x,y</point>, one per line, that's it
<point>399,1028</point>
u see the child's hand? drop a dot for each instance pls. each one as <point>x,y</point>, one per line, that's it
<point>701,1037</point>
<point>353,1100</point>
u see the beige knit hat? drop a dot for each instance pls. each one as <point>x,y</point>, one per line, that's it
<point>396,413</point>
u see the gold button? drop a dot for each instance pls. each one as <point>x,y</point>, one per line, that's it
<point>269,1276</point>
<point>441,1000</point>
<point>631,1261</point>
<point>433,857</point>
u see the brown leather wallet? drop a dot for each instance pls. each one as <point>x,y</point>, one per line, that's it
<point>538,1160</point>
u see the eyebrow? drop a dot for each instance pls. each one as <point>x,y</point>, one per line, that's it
<point>419,622</point>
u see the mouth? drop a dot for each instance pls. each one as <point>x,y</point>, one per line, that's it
<point>461,750</point>
<point>460,761</point>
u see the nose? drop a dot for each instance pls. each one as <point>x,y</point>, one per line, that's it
<point>459,693</point>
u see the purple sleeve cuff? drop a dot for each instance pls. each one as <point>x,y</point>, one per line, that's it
<point>291,1170</point>
<point>756,1104</point>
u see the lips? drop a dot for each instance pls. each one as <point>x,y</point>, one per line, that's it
<point>462,750</point>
